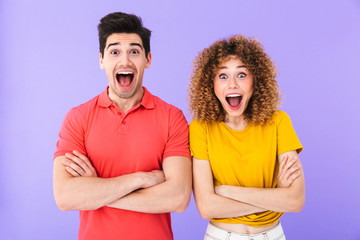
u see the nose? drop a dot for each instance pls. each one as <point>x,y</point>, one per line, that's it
<point>233,83</point>
<point>124,59</point>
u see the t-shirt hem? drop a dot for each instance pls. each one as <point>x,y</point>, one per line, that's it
<point>298,149</point>
<point>252,224</point>
<point>200,157</point>
<point>177,154</point>
<point>60,153</point>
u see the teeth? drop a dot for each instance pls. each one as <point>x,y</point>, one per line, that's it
<point>233,95</point>
<point>125,73</point>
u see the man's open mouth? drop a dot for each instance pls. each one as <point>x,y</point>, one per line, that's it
<point>234,100</point>
<point>125,78</point>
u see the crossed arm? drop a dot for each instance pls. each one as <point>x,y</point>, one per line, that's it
<point>157,191</point>
<point>231,201</point>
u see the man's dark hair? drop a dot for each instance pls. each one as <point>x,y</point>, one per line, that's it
<point>119,22</point>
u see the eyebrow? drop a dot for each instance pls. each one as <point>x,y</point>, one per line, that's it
<point>241,66</point>
<point>131,44</point>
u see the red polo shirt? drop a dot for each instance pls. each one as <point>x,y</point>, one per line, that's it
<point>119,144</point>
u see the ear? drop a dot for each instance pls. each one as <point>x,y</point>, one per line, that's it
<point>148,60</point>
<point>101,61</point>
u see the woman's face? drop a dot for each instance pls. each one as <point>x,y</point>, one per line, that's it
<point>233,86</point>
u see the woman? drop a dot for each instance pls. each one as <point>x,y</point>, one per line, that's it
<point>245,165</point>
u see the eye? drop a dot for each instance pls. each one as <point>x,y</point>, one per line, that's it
<point>114,52</point>
<point>134,51</point>
<point>223,76</point>
<point>242,75</point>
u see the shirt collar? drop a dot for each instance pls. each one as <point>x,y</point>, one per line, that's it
<point>147,100</point>
<point>104,100</point>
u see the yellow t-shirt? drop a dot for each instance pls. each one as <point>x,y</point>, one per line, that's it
<point>246,158</point>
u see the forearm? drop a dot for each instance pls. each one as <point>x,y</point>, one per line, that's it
<point>216,206</point>
<point>88,193</point>
<point>281,199</point>
<point>172,195</point>
<point>157,199</point>
<point>210,204</point>
<point>274,199</point>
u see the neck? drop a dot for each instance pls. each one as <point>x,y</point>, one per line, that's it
<point>125,104</point>
<point>236,123</point>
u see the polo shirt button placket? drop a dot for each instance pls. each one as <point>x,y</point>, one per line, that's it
<point>122,126</point>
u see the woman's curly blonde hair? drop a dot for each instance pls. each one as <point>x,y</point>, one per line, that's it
<point>205,106</point>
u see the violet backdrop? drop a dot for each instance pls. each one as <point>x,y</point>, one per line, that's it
<point>49,64</point>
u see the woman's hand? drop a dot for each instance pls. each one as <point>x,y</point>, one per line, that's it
<point>289,170</point>
<point>78,165</point>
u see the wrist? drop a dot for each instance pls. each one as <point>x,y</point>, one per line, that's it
<point>140,180</point>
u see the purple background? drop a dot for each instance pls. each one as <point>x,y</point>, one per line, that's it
<point>49,63</point>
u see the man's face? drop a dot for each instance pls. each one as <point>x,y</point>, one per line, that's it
<point>124,62</point>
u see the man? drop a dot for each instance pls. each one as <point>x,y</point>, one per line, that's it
<point>122,158</point>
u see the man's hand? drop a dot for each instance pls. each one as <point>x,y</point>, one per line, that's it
<point>152,178</point>
<point>78,165</point>
<point>77,186</point>
<point>289,170</point>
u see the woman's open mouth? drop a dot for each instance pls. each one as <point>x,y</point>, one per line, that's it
<point>234,101</point>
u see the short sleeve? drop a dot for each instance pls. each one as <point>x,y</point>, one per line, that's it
<point>71,135</point>
<point>178,138</point>
<point>287,138</point>
<point>198,140</point>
